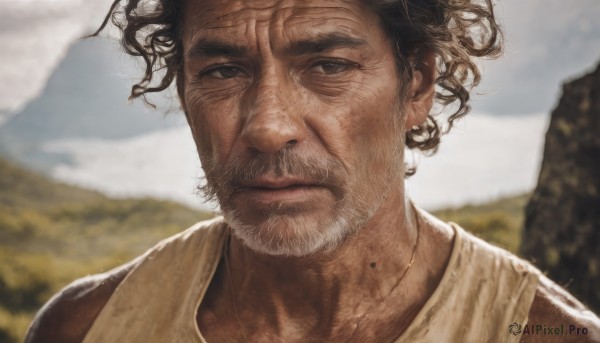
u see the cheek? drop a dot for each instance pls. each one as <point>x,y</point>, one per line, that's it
<point>353,126</point>
<point>214,126</point>
<point>376,135</point>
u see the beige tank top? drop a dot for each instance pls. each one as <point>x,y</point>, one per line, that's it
<point>483,290</point>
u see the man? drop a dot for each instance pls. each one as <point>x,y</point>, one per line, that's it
<point>301,112</point>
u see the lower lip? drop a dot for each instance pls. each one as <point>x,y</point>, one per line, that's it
<point>288,194</point>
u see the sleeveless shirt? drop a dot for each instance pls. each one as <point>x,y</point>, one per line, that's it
<point>482,291</point>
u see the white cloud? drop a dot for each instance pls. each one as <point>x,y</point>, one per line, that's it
<point>161,164</point>
<point>483,158</point>
<point>35,36</point>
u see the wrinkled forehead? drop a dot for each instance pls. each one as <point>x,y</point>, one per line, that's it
<point>238,20</point>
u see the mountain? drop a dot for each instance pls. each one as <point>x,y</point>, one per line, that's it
<point>86,96</point>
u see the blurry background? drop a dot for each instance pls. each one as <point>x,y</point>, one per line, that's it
<point>64,116</point>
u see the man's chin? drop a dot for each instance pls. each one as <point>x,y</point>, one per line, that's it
<point>288,234</point>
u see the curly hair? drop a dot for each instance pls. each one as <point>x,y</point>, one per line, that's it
<point>456,31</point>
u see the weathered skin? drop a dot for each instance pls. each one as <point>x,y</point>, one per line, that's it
<point>340,102</point>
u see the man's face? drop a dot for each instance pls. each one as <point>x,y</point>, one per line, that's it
<point>295,110</point>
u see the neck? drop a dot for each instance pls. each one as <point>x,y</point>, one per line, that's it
<point>333,290</point>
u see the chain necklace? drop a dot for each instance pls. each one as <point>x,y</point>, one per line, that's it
<point>410,263</point>
<point>360,320</point>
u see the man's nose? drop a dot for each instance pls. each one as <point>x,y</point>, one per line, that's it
<point>271,122</point>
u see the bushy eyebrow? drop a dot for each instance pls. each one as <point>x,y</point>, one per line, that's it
<point>324,42</point>
<point>209,48</point>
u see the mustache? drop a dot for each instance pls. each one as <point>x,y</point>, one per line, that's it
<point>223,181</point>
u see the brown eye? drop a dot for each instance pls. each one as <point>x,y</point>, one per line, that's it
<point>224,72</point>
<point>332,67</point>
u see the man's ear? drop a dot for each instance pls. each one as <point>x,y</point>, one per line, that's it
<point>422,91</point>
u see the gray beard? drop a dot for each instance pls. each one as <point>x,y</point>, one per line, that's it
<point>349,216</point>
<point>323,237</point>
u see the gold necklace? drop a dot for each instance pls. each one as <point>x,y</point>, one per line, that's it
<point>410,263</point>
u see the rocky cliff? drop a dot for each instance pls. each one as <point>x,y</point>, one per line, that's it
<point>562,225</point>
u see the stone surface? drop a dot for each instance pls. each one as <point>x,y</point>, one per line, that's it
<point>562,225</point>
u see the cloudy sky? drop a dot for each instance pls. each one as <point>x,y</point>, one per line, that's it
<point>547,42</point>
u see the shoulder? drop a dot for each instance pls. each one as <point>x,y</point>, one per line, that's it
<point>70,313</point>
<point>554,307</point>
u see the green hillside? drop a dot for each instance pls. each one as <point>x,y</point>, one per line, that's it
<point>499,221</point>
<point>52,233</point>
